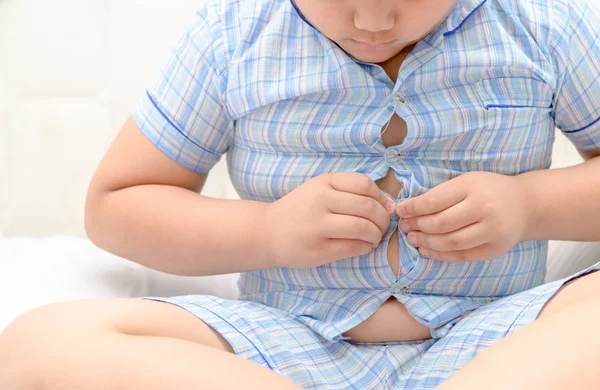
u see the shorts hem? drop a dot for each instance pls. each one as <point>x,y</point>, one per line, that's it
<point>532,310</point>
<point>241,344</point>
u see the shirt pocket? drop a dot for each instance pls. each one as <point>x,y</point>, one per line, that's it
<point>501,94</point>
<point>518,121</point>
<point>519,107</point>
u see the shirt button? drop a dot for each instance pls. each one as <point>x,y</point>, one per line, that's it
<point>400,99</point>
<point>391,155</point>
<point>399,290</point>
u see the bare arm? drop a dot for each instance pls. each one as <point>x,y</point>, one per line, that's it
<point>143,206</point>
<point>564,204</point>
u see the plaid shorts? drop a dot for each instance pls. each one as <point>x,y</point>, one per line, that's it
<point>280,341</point>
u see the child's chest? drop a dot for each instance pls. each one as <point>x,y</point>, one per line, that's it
<point>459,109</point>
<point>450,98</point>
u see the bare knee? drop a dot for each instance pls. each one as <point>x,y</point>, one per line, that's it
<point>28,345</point>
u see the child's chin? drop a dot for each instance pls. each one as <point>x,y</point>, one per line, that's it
<point>374,58</point>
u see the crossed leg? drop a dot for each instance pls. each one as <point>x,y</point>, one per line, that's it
<point>122,344</point>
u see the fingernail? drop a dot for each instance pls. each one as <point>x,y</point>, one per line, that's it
<point>401,211</point>
<point>390,206</point>
<point>405,226</point>
<point>424,252</point>
<point>412,240</point>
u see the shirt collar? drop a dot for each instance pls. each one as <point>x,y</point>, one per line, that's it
<point>300,14</point>
<point>463,10</point>
<point>328,44</point>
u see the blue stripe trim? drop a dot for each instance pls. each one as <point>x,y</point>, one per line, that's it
<point>511,106</point>
<point>583,128</point>
<point>176,127</point>
<point>464,20</point>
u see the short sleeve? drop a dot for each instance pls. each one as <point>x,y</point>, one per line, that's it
<point>577,101</point>
<point>184,112</point>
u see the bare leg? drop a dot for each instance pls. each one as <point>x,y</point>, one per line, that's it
<point>560,350</point>
<point>122,344</point>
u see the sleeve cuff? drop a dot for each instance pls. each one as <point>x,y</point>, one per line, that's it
<point>165,135</point>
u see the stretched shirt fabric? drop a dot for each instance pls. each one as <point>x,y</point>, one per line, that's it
<point>483,92</point>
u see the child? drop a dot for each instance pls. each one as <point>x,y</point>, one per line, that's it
<point>392,160</point>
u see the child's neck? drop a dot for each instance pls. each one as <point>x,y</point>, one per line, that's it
<point>392,66</point>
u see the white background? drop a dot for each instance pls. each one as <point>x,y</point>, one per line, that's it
<point>71,71</point>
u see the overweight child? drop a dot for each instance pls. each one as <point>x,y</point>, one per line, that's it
<point>392,159</point>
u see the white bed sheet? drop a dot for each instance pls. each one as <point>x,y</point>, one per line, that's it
<point>39,271</point>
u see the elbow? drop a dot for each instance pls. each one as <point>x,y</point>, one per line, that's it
<point>92,216</point>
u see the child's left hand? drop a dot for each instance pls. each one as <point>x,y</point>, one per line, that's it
<point>476,216</point>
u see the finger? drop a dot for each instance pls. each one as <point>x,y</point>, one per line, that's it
<point>446,221</point>
<point>480,253</point>
<point>360,206</point>
<point>352,228</point>
<point>359,184</point>
<point>387,202</point>
<point>336,249</point>
<point>469,237</point>
<point>435,200</point>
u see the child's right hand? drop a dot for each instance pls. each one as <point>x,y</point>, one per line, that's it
<point>328,218</point>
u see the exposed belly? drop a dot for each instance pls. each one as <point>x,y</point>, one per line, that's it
<point>391,322</point>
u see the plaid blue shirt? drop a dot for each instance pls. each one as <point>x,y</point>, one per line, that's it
<point>483,92</point>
